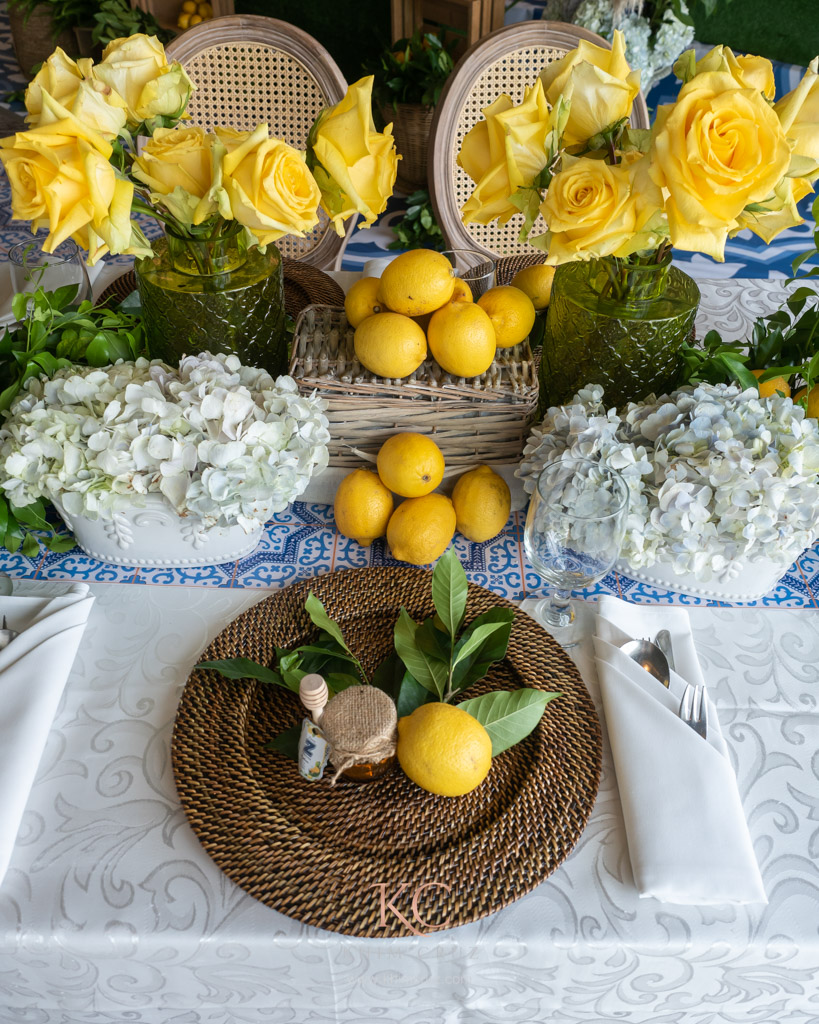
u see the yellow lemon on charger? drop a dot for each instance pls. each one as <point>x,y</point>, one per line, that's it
<point>443,749</point>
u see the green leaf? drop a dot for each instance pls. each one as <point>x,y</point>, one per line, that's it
<point>64,296</point>
<point>476,636</point>
<point>338,681</point>
<point>32,515</point>
<point>388,675</point>
<point>428,671</point>
<point>320,618</point>
<point>472,668</point>
<point>508,715</point>
<point>411,695</point>
<point>19,304</point>
<point>31,546</point>
<point>244,668</point>
<point>4,515</point>
<point>60,542</point>
<point>449,591</point>
<point>287,742</point>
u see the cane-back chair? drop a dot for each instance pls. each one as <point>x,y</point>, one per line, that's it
<point>248,70</point>
<point>505,61</point>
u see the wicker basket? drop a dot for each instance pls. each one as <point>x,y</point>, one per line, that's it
<point>411,126</point>
<point>33,37</point>
<point>479,419</point>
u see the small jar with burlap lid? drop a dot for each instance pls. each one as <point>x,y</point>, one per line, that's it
<point>360,724</point>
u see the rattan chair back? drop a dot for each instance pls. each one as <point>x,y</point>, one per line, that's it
<point>505,61</point>
<point>249,70</point>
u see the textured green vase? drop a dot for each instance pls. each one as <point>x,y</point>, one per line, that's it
<point>214,295</point>
<point>619,326</point>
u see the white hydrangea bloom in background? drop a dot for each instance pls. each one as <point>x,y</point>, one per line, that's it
<point>715,474</point>
<point>218,440</point>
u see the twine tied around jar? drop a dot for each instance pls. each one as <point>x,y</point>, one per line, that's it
<point>360,725</point>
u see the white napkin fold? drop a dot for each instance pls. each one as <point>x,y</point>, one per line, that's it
<point>33,673</point>
<point>687,835</point>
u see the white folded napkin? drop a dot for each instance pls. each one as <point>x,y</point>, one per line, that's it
<point>687,835</point>
<point>33,672</point>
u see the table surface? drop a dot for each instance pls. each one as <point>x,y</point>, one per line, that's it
<point>111,911</point>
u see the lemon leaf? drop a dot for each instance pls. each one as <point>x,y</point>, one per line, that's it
<point>425,669</point>
<point>244,668</point>
<point>320,618</point>
<point>449,591</point>
<point>477,635</point>
<point>508,715</point>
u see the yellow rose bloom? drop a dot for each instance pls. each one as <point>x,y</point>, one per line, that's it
<point>358,165</point>
<point>596,209</point>
<point>270,190</point>
<point>504,152</point>
<point>73,86</point>
<point>61,179</point>
<point>748,72</point>
<point>798,113</point>
<point>715,151</point>
<point>599,83</point>
<point>768,218</point>
<point>137,69</point>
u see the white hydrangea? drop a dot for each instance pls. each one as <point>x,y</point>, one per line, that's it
<point>221,441</point>
<point>652,53</point>
<point>716,475</point>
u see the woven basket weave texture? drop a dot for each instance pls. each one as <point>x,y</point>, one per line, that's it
<point>314,852</point>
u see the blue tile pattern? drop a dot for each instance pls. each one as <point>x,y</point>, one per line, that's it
<point>302,541</point>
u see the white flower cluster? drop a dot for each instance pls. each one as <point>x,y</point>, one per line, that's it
<point>219,440</point>
<point>715,474</point>
<point>652,53</point>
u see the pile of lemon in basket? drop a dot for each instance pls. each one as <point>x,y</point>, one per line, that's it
<point>418,302</point>
<point>420,529</point>
<point>193,13</point>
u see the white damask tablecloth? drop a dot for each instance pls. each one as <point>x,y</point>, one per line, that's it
<point>111,911</point>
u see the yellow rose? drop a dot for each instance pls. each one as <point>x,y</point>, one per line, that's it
<point>183,169</point>
<point>61,179</point>
<point>504,152</point>
<point>715,151</point>
<point>597,209</point>
<point>137,69</point>
<point>267,182</point>
<point>73,86</point>
<point>355,165</point>
<point>798,113</point>
<point>777,213</point>
<point>748,72</point>
<point>598,82</point>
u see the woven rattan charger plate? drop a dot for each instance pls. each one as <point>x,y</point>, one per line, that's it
<point>336,857</point>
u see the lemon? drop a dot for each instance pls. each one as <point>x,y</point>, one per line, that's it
<point>462,339</point>
<point>196,19</point>
<point>363,507</point>
<point>813,400</point>
<point>420,529</point>
<point>390,345</point>
<point>417,282</point>
<point>361,300</point>
<point>206,10</point>
<point>461,292</point>
<point>772,386</point>
<point>184,21</point>
<point>410,464</point>
<point>537,283</point>
<point>511,312</point>
<point>443,749</point>
<point>189,7</point>
<point>482,502</point>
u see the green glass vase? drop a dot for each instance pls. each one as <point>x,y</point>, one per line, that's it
<point>214,295</point>
<point>618,325</point>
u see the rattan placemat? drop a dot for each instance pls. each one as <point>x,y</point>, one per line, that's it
<point>303,286</point>
<point>352,858</point>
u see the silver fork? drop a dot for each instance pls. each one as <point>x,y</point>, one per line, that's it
<point>693,709</point>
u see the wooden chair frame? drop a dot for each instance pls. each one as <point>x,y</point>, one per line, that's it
<point>220,56</point>
<point>513,55</point>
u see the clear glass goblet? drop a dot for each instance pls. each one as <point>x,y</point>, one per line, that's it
<point>475,268</point>
<point>31,268</point>
<point>574,530</point>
